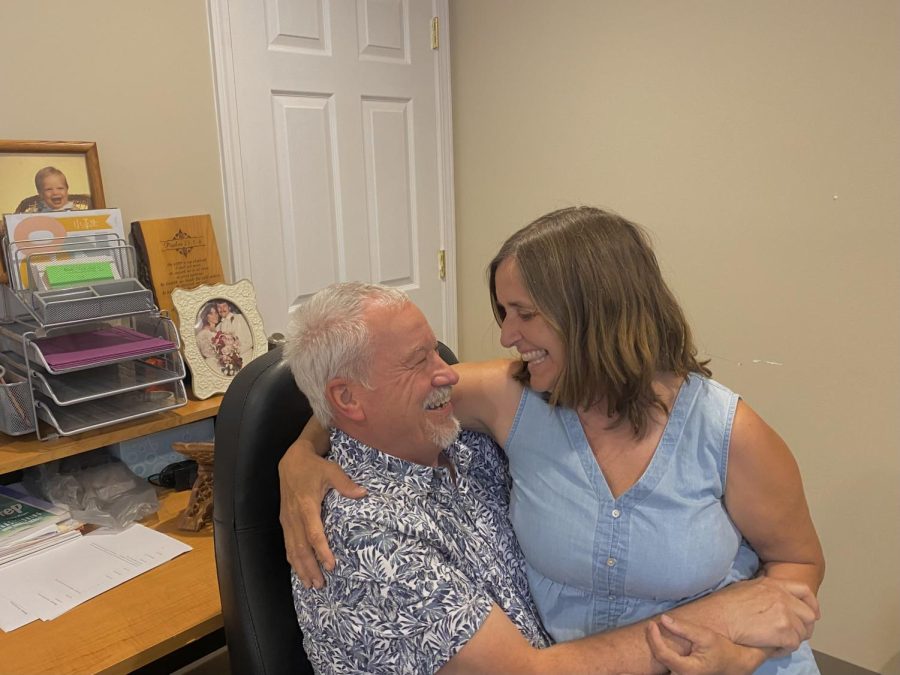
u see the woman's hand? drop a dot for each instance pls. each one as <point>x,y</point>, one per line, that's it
<point>710,652</point>
<point>767,612</point>
<point>304,479</point>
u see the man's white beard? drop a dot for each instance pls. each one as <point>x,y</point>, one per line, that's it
<point>444,435</point>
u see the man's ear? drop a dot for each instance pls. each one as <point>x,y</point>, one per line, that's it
<point>342,398</point>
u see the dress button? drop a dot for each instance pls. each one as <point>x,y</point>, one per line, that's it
<point>616,513</point>
<point>610,562</point>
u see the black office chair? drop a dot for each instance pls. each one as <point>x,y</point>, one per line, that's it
<point>261,414</point>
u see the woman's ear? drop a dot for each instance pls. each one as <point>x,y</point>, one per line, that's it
<point>343,400</point>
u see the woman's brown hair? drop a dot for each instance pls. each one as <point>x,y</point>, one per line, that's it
<point>594,277</point>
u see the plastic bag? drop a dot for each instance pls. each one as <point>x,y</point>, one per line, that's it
<point>97,489</point>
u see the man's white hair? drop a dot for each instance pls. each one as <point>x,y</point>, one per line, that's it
<point>328,337</point>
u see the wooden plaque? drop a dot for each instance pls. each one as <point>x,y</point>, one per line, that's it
<point>176,253</point>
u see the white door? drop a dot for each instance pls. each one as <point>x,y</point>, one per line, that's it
<point>335,118</point>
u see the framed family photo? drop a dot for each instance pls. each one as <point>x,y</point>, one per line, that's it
<point>49,176</point>
<point>221,332</point>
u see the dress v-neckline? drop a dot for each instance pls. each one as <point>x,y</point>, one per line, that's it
<point>661,454</point>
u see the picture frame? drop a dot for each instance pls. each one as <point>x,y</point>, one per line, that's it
<point>215,346</point>
<point>20,162</point>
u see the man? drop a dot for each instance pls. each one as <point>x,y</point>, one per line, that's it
<point>429,575</point>
<point>236,326</point>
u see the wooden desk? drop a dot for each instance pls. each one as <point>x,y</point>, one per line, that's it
<point>20,452</point>
<point>144,618</point>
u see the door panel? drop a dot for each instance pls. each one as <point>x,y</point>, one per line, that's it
<point>342,150</point>
<point>305,155</point>
<point>389,192</point>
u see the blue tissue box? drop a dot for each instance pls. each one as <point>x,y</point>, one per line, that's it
<point>148,455</point>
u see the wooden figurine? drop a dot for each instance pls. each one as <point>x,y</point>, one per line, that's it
<point>199,509</point>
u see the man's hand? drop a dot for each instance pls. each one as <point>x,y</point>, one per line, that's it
<point>771,613</point>
<point>710,652</point>
<point>304,478</point>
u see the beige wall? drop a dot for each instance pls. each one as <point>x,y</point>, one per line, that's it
<point>759,143</point>
<point>727,128</point>
<point>132,75</point>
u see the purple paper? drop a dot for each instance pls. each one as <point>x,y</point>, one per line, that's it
<point>99,346</point>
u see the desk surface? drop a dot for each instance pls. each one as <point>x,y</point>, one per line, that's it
<point>132,624</point>
<point>146,617</point>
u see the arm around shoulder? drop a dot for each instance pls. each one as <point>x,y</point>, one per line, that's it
<point>304,477</point>
<point>486,397</point>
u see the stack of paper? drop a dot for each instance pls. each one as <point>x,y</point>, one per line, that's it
<point>29,525</point>
<point>53,582</point>
<point>98,346</point>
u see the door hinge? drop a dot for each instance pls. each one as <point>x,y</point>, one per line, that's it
<point>435,33</point>
<point>442,264</point>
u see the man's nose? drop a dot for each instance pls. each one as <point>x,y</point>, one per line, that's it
<point>444,375</point>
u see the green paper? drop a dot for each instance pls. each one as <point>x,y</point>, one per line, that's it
<point>78,273</point>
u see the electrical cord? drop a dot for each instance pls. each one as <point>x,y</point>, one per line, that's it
<point>176,476</point>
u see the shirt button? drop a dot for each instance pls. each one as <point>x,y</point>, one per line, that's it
<point>610,562</point>
<point>616,513</point>
<point>612,597</point>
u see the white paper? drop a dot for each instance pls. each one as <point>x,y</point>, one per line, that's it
<point>66,224</point>
<point>53,582</point>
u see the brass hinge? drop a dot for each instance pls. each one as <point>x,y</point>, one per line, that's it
<point>442,264</point>
<point>435,33</point>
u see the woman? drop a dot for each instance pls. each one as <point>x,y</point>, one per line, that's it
<point>207,333</point>
<point>638,483</point>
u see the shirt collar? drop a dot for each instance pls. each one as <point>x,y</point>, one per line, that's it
<point>348,452</point>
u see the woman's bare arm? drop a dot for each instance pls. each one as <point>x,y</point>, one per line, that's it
<point>486,397</point>
<point>764,496</point>
<point>304,476</point>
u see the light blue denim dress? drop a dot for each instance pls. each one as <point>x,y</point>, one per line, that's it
<point>595,562</point>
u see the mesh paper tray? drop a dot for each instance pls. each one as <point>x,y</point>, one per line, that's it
<point>15,405</point>
<point>103,412</point>
<point>81,292</point>
<point>11,307</point>
<point>11,336</point>
<point>25,260</point>
<point>96,301</point>
<point>86,385</point>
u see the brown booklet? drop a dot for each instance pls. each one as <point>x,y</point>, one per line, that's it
<point>176,253</point>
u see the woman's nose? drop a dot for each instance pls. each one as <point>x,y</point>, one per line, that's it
<point>509,334</point>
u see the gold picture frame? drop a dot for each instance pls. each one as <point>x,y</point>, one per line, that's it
<point>216,347</point>
<point>20,161</point>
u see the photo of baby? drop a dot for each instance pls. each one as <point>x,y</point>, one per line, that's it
<point>52,194</point>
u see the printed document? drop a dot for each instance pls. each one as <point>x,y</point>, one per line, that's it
<point>48,584</point>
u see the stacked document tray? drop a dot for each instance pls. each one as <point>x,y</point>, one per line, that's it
<point>81,342</point>
<point>84,385</point>
<point>59,280</point>
<point>96,413</point>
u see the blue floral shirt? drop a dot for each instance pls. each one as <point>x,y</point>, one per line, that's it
<point>420,562</point>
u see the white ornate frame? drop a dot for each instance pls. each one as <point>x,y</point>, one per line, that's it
<point>205,382</point>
